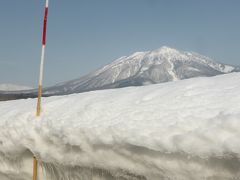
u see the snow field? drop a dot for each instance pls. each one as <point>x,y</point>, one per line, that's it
<point>181,130</point>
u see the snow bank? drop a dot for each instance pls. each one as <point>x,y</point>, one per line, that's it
<point>182,130</point>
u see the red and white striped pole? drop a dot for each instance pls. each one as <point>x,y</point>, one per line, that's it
<point>38,113</point>
<point>44,35</point>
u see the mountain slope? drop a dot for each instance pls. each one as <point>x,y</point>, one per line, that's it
<point>13,87</point>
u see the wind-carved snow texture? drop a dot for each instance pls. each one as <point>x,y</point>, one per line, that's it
<point>183,130</point>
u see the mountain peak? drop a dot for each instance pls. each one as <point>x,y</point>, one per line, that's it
<point>138,54</point>
<point>166,49</point>
<point>162,51</point>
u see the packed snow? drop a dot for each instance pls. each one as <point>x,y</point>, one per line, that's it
<point>182,130</point>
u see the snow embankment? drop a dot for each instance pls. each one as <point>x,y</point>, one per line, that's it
<point>182,130</point>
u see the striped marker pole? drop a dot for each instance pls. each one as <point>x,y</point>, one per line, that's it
<point>42,59</point>
<point>38,113</point>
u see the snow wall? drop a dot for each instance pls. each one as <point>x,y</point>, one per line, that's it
<point>184,130</point>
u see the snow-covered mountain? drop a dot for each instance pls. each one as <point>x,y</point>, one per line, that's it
<point>141,68</point>
<point>13,87</point>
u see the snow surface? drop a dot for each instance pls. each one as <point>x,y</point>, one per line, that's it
<point>182,130</point>
<point>13,87</point>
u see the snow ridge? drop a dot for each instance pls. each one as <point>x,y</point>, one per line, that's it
<point>185,130</point>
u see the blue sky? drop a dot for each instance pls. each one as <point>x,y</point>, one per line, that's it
<point>86,34</point>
